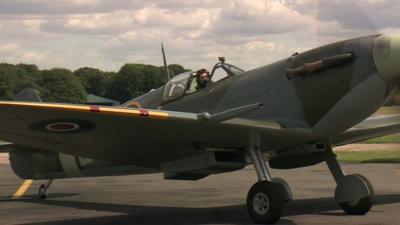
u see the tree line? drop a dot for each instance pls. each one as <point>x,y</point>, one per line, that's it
<point>63,85</point>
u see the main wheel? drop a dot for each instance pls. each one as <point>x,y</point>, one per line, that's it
<point>265,202</point>
<point>43,192</point>
<point>363,204</point>
<point>287,192</point>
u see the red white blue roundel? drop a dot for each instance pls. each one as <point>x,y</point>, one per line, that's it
<point>62,126</point>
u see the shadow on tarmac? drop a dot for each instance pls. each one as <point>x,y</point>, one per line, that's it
<point>32,197</point>
<point>135,214</point>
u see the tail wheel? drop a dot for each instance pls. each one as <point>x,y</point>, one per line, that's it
<point>43,192</point>
<point>265,202</point>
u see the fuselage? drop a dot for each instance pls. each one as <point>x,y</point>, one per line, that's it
<point>329,100</point>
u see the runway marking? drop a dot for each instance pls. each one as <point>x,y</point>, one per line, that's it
<point>22,189</point>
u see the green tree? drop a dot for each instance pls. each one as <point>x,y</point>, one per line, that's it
<point>133,80</point>
<point>14,78</point>
<point>109,79</point>
<point>94,80</point>
<point>61,85</point>
<point>175,69</point>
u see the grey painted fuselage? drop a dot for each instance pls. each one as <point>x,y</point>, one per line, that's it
<point>330,100</point>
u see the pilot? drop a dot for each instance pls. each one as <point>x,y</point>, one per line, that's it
<point>202,78</point>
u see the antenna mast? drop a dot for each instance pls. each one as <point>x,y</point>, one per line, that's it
<point>166,71</point>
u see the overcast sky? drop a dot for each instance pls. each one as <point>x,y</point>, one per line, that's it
<point>249,33</point>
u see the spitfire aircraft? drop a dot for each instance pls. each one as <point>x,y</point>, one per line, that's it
<point>285,115</point>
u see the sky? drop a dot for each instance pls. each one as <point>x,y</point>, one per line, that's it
<point>109,33</point>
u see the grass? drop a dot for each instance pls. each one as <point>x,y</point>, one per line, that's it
<point>384,140</point>
<point>369,156</point>
<point>387,110</point>
<point>375,156</point>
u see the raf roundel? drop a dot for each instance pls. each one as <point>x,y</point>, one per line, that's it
<point>62,127</point>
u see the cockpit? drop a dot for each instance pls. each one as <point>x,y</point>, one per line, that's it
<point>223,70</point>
<point>185,83</point>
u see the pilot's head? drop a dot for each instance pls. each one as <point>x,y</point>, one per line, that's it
<point>203,77</point>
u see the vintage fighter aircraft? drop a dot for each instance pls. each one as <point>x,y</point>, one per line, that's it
<point>289,113</point>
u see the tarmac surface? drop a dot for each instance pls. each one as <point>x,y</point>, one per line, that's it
<point>217,199</point>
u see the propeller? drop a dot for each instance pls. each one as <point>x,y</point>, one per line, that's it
<point>386,54</point>
<point>353,21</point>
<point>386,50</point>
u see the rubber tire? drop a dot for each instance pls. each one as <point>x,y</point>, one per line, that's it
<point>274,193</point>
<point>364,205</point>
<point>369,185</point>
<point>42,192</point>
<point>287,191</point>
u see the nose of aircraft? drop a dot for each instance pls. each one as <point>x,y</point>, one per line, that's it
<point>386,53</point>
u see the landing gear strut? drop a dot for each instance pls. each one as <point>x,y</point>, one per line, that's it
<point>354,192</point>
<point>44,189</point>
<point>266,198</point>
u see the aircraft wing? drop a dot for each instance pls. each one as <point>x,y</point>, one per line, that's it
<point>129,135</point>
<point>373,127</point>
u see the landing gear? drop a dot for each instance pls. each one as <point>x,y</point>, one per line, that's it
<point>287,192</point>
<point>354,192</point>
<point>265,202</point>
<point>358,205</point>
<point>44,189</point>
<point>267,197</point>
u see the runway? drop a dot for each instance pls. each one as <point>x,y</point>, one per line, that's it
<point>218,199</point>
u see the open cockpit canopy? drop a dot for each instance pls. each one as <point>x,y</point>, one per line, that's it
<point>185,83</point>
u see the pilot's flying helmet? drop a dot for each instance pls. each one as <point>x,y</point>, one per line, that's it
<point>201,71</point>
